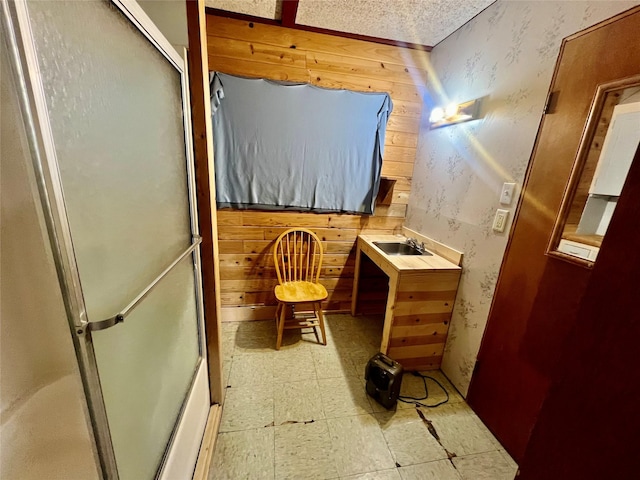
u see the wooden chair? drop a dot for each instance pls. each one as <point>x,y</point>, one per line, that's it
<point>297,255</point>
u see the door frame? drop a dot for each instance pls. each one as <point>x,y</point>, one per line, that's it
<point>188,425</point>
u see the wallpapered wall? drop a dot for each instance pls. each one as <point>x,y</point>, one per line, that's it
<point>507,55</point>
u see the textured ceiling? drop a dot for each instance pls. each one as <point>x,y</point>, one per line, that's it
<point>424,22</point>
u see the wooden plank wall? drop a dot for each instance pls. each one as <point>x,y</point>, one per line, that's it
<point>589,170</point>
<point>421,315</point>
<point>256,50</point>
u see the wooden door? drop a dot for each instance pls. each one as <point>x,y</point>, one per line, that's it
<point>537,297</point>
<point>589,423</point>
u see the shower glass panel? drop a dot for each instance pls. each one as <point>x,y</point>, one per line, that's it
<point>115,108</point>
<point>120,150</point>
<point>143,389</point>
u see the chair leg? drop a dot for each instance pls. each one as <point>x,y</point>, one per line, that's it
<point>277,317</point>
<point>283,315</point>
<point>318,306</point>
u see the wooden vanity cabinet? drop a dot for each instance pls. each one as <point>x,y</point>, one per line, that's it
<point>419,302</point>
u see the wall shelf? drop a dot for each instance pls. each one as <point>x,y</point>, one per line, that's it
<point>385,193</point>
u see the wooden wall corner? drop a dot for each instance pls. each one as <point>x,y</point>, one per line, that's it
<point>240,47</point>
<point>205,188</point>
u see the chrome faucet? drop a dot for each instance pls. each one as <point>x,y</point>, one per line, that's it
<point>413,242</point>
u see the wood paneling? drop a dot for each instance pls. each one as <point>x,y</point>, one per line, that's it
<point>313,42</point>
<point>417,300</point>
<point>240,47</point>
<point>365,68</point>
<point>423,363</point>
<point>589,170</point>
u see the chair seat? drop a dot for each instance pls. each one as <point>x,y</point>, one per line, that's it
<point>300,292</point>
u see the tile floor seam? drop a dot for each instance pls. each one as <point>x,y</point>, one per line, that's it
<point>333,455</point>
<point>342,364</point>
<point>274,451</point>
<point>274,434</point>
<point>334,459</point>
<point>459,475</point>
<point>395,460</point>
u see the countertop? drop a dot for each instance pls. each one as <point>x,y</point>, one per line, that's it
<point>402,263</point>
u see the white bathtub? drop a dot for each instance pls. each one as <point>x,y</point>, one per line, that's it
<point>47,436</point>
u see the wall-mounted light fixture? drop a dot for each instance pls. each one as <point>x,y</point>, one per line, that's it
<point>454,113</point>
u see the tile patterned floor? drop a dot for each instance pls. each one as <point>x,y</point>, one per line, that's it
<point>302,413</point>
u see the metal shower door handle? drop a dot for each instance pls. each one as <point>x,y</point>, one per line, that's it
<point>120,316</point>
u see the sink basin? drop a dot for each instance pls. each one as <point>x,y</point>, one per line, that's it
<point>399,248</point>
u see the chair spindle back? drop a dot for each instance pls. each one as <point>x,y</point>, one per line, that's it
<point>297,255</point>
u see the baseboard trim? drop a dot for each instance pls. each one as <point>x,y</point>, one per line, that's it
<point>256,312</point>
<point>247,314</point>
<point>205,455</point>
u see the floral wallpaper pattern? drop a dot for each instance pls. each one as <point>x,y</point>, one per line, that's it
<point>506,55</point>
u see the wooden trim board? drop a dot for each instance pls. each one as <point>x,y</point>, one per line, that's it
<point>207,448</point>
<point>454,256</point>
<point>255,312</point>
<point>205,190</point>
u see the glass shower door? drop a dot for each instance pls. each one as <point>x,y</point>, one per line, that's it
<point>114,112</point>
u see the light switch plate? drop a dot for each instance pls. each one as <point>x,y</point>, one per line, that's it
<point>506,195</point>
<point>500,220</point>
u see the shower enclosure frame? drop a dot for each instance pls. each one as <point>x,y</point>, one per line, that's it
<point>24,65</point>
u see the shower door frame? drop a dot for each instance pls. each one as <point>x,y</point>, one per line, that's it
<point>21,46</point>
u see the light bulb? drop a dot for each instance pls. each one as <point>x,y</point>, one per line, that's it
<point>437,114</point>
<point>451,110</point>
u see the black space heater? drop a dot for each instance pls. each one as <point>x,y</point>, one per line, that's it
<point>384,378</point>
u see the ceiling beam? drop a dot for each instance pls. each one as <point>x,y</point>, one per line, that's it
<point>241,16</point>
<point>297,26</point>
<point>365,38</point>
<point>289,11</point>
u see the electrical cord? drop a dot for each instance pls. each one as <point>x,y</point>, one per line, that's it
<point>416,400</point>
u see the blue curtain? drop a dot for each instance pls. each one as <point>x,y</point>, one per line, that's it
<point>291,146</point>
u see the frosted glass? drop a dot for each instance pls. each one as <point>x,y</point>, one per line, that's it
<point>146,366</point>
<point>116,112</point>
<point>43,432</point>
